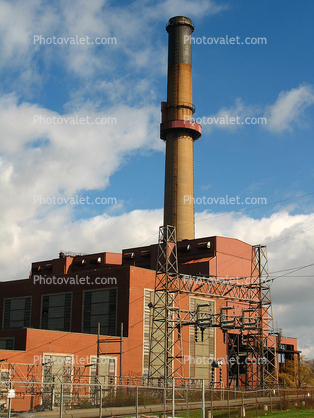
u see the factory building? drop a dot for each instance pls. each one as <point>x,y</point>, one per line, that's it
<point>53,315</point>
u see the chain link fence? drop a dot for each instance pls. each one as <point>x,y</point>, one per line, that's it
<point>134,395</point>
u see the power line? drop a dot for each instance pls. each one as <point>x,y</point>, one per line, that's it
<point>289,236</point>
<point>284,275</point>
<point>258,207</point>
<point>291,268</point>
<point>245,210</point>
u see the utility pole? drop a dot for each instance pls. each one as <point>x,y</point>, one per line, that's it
<point>121,354</point>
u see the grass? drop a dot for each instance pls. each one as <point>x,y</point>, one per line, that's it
<point>308,413</point>
<point>301,413</point>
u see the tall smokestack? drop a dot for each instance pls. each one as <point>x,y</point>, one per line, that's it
<point>178,130</point>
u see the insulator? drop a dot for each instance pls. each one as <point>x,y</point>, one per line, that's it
<point>202,333</point>
<point>213,375</point>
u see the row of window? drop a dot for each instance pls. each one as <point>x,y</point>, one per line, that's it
<point>99,306</point>
<point>60,368</point>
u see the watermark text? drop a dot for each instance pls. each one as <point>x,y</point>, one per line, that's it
<point>227,120</point>
<point>224,200</point>
<point>74,200</point>
<point>224,40</point>
<point>74,360</point>
<point>73,120</point>
<point>228,360</point>
<point>77,280</point>
<point>74,40</point>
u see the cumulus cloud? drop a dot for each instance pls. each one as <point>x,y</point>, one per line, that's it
<point>82,149</point>
<point>133,27</point>
<point>186,8</point>
<point>229,118</point>
<point>18,20</point>
<point>288,110</point>
<point>41,158</point>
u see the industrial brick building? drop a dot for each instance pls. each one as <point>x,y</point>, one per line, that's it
<point>42,320</point>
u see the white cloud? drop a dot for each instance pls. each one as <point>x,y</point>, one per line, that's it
<point>289,108</point>
<point>284,114</point>
<point>193,9</point>
<point>221,120</point>
<point>133,27</point>
<point>41,159</point>
<point>17,21</point>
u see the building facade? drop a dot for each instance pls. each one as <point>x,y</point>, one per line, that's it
<point>49,321</point>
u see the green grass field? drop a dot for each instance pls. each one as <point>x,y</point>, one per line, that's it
<point>302,413</point>
<point>308,413</point>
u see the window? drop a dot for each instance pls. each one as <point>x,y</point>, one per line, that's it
<point>6,344</point>
<point>4,382</point>
<point>57,369</point>
<point>202,348</point>
<point>106,370</point>
<point>17,313</point>
<point>56,312</point>
<point>148,298</point>
<point>104,374</point>
<point>100,306</point>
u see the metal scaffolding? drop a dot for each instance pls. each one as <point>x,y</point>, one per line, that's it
<point>256,348</point>
<point>249,335</point>
<point>166,350</point>
<point>268,373</point>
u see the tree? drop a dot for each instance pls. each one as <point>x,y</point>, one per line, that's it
<point>294,374</point>
<point>288,374</point>
<point>306,373</point>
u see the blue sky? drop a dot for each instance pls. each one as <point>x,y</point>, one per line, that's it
<point>125,81</point>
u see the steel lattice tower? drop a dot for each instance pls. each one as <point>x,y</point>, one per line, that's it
<point>166,357</point>
<point>267,373</point>
<point>257,344</point>
<point>255,339</point>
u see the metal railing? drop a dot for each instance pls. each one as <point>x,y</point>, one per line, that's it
<point>136,398</point>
